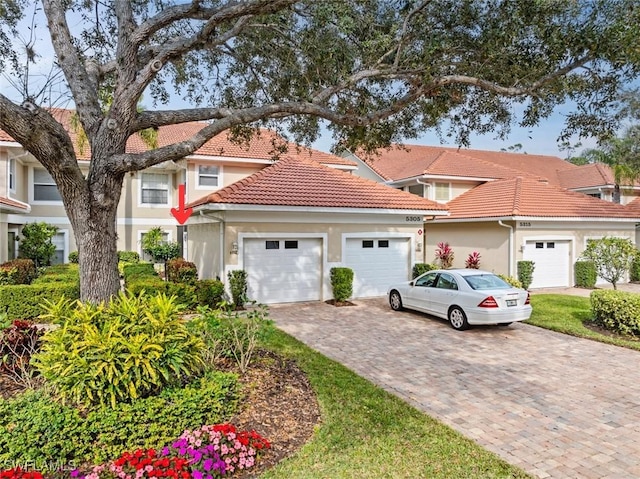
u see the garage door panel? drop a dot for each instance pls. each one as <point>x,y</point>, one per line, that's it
<point>552,263</point>
<point>278,272</point>
<point>376,264</point>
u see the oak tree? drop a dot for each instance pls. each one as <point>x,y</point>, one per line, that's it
<point>376,70</point>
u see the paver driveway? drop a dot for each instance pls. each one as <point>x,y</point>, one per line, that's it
<point>556,406</point>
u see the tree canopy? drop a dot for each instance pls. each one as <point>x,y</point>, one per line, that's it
<point>376,70</point>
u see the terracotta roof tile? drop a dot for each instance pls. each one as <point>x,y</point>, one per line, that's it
<point>522,196</point>
<point>260,147</point>
<point>585,176</point>
<point>295,181</point>
<point>414,160</point>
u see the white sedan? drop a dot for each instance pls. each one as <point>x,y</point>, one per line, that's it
<point>463,296</point>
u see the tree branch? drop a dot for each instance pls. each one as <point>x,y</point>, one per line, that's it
<point>80,82</point>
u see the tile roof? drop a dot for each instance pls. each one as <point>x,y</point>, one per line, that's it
<point>586,176</point>
<point>294,181</point>
<point>260,147</point>
<point>521,196</point>
<point>13,204</point>
<point>407,161</point>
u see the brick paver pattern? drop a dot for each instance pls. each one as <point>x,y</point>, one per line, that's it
<point>554,405</point>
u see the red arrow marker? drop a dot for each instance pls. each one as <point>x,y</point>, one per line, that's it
<point>180,214</point>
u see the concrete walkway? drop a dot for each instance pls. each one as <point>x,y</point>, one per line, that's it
<point>554,405</point>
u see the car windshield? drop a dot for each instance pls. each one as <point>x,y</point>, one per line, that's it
<point>486,281</point>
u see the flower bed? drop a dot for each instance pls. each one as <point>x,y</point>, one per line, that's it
<point>209,452</point>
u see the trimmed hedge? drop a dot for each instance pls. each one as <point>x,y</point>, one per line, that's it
<point>421,268</point>
<point>634,273</point>
<point>23,301</point>
<point>342,283</point>
<point>586,274</point>
<point>128,256</point>
<point>210,292</point>
<point>525,272</point>
<point>61,273</point>
<point>617,311</point>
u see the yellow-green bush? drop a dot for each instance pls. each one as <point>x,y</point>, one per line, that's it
<point>111,353</point>
<point>617,311</point>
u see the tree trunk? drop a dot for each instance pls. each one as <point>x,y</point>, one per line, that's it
<point>94,225</point>
<point>616,193</point>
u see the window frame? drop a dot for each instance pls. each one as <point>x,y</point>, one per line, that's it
<point>141,189</point>
<point>199,175</point>
<point>33,184</point>
<point>442,185</point>
<point>11,175</point>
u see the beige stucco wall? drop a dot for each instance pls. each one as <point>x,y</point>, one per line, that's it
<point>229,173</point>
<point>489,239</point>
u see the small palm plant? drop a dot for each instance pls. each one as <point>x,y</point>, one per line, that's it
<point>473,261</point>
<point>444,254</point>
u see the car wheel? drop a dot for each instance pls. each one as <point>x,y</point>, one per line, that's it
<point>458,319</point>
<point>395,301</point>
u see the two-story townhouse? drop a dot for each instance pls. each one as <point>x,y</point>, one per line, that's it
<point>284,213</point>
<point>509,206</point>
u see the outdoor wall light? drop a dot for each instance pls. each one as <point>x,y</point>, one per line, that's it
<point>234,247</point>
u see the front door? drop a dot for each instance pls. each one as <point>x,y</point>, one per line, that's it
<point>11,245</point>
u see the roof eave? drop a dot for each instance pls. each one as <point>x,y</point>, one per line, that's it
<point>210,207</point>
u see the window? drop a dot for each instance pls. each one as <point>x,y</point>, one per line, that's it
<point>271,244</point>
<point>428,280</point>
<point>145,256</point>
<point>539,245</point>
<point>44,188</point>
<point>383,243</point>
<point>551,245</point>
<point>58,241</point>
<point>367,243</point>
<point>12,174</point>
<point>208,175</point>
<point>442,192</point>
<point>417,190</point>
<point>595,195</point>
<point>446,281</point>
<point>154,189</point>
<point>292,244</point>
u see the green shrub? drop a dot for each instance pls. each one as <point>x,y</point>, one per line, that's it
<point>28,301</point>
<point>152,286</point>
<point>525,273</point>
<point>36,243</point>
<point>238,286</point>
<point>74,257</point>
<point>209,292</point>
<point>128,256</point>
<point>17,271</point>
<point>341,283</point>
<point>421,268</point>
<point>60,273</point>
<point>586,274</point>
<point>110,353</point>
<point>510,280</point>
<point>134,271</point>
<point>36,429</point>
<point>181,271</point>
<point>634,273</point>
<point>185,294</point>
<point>617,311</point>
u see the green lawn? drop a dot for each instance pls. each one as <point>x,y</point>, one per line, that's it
<point>369,433</point>
<point>565,314</point>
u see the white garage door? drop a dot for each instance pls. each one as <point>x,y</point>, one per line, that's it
<point>376,264</point>
<point>552,263</point>
<point>283,270</point>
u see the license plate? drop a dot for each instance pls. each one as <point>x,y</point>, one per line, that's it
<point>512,302</point>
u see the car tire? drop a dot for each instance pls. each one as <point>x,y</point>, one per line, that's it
<point>458,319</point>
<point>395,301</point>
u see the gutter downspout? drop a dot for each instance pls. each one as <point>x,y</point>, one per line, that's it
<point>510,257</point>
<point>220,240</point>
